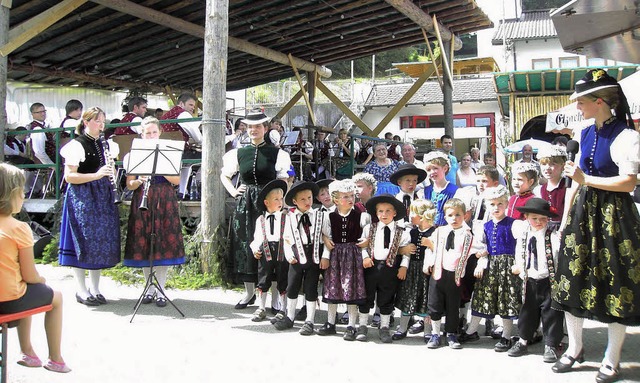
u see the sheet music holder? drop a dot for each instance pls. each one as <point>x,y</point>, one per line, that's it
<point>290,138</point>
<point>150,158</point>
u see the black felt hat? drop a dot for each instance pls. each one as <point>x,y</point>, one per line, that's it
<point>538,206</point>
<point>401,211</point>
<point>275,184</point>
<point>592,81</point>
<point>255,118</point>
<point>323,184</point>
<point>299,186</point>
<point>407,169</point>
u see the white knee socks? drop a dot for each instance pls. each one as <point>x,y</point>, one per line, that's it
<point>473,324</point>
<point>353,314</point>
<point>80,283</point>
<point>574,332</point>
<point>249,291</point>
<point>614,346</point>
<point>94,277</point>
<point>332,309</point>
<point>311,311</point>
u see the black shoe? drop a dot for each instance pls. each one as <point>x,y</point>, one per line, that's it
<point>488,327</point>
<point>327,329</point>
<point>517,350</point>
<point>344,319</point>
<point>307,329</point>
<point>302,313</point>
<point>361,334</point>
<point>161,301</point>
<point>464,338</point>
<point>391,320</point>
<point>550,354</point>
<point>399,335</point>
<point>607,378</point>
<point>147,299</point>
<point>375,322</point>
<point>274,311</point>
<point>279,316</point>
<point>385,336</point>
<point>90,301</point>
<point>417,327</point>
<point>349,334</point>
<point>503,345</point>
<point>561,367</point>
<point>241,306</point>
<point>283,324</point>
<point>496,333</point>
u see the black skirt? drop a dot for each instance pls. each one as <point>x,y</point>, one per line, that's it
<point>598,274</point>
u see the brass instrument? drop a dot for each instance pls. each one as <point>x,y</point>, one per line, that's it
<point>108,158</point>
<point>145,194</point>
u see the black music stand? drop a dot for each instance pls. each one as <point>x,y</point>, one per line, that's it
<point>154,158</point>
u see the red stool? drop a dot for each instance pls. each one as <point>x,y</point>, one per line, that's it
<point>4,322</point>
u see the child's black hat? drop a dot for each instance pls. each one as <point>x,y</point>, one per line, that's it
<point>275,184</point>
<point>593,81</point>
<point>538,206</point>
<point>401,211</point>
<point>324,183</point>
<point>299,186</point>
<point>407,169</point>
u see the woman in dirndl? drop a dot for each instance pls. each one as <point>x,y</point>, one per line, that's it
<point>257,164</point>
<point>382,167</point>
<point>90,227</point>
<point>598,274</point>
<point>162,205</point>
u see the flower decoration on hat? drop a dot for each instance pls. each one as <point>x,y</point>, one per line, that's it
<point>593,80</point>
<point>552,151</point>
<point>434,154</point>
<point>496,192</point>
<point>343,186</point>
<point>522,167</point>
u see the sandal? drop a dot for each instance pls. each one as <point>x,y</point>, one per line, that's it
<point>29,361</point>
<point>57,367</point>
<point>161,302</point>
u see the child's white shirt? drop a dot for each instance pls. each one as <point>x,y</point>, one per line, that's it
<point>379,252</point>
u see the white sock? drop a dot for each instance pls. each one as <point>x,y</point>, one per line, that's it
<point>161,275</point>
<point>283,300</point>
<point>617,334</point>
<point>435,326</point>
<point>94,277</point>
<point>353,314</point>
<point>249,292</point>
<point>428,327</point>
<point>522,341</point>
<point>384,320</point>
<point>291,308</point>
<point>574,332</point>
<point>507,328</point>
<point>146,271</point>
<point>275,296</point>
<point>263,299</point>
<point>404,323</point>
<point>473,324</point>
<point>81,283</point>
<point>332,309</point>
<point>311,311</point>
<point>363,319</point>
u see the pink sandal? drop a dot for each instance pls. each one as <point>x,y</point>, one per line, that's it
<point>29,361</point>
<point>56,367</point>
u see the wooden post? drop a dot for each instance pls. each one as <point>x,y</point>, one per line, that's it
<point>4,37</point>
<point>213,123</point>
<point>447,92</point>
<point>312,118</point>
<point>433,59</point>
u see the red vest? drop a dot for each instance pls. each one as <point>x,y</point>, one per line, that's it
<point>122,130</point>
<point>173,126</point>
<point>50,143</point>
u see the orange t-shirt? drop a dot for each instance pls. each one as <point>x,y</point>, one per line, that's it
<point>14,235</point>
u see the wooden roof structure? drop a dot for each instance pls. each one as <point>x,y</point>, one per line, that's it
<point>149,45</point>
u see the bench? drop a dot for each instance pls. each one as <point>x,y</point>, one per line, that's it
<point>5,319</point>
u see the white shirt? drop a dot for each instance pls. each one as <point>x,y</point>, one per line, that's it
<point>379,252</point>
<point>192,128</point>
<point>293,221</point>
<point>365,219</point>
<point>38,141</point>
<point>522,253</point>
<point>258,234</point>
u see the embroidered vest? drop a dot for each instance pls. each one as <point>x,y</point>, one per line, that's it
<point>174,126</point>
<point>393,249</point>
<point>64,120</point>
<point>123,130</point>
<point>595,150</point>
<point>548,253</point>
<point>298,247</point>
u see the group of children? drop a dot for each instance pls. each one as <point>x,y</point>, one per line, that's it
<point>429,252</point>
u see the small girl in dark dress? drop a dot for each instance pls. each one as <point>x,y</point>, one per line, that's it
<point>412,294</point>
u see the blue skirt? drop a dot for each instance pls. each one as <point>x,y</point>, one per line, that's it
<point>385,187</point>
<point>90,227</point>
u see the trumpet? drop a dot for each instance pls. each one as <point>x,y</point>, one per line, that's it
<point>108,158</point>
<point>145,194</point>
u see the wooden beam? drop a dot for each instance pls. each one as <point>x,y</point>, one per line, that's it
<point>403,101</point>
<point>344,108</point>
<point>192,29</point>
<point>7,3</point>
<point>306,96</point>
<point>433,59</point>
<point>291,102</point>
<point>418,16</point>
<point>35,25</point>
<point>445,59</point>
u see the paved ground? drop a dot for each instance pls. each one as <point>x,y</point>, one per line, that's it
<point>214,341</point>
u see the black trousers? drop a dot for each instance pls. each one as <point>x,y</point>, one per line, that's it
<point>444,300</point>
<point>383,281</point>
<point>468,281</point>
<point>274,270</point>
<point>307,276</point>
<point>536,306</point>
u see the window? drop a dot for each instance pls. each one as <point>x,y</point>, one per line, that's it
<point>596,62</point>
<point>459,122</point>
<point>569,62</point>
<point>482,121</point>
<point>420,123</point>
<point>538,64</point>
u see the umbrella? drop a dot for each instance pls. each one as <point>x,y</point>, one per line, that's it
<point>516,147</point>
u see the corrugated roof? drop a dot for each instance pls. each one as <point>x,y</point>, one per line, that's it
<point>531,25</point>
<point>466,90</point>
